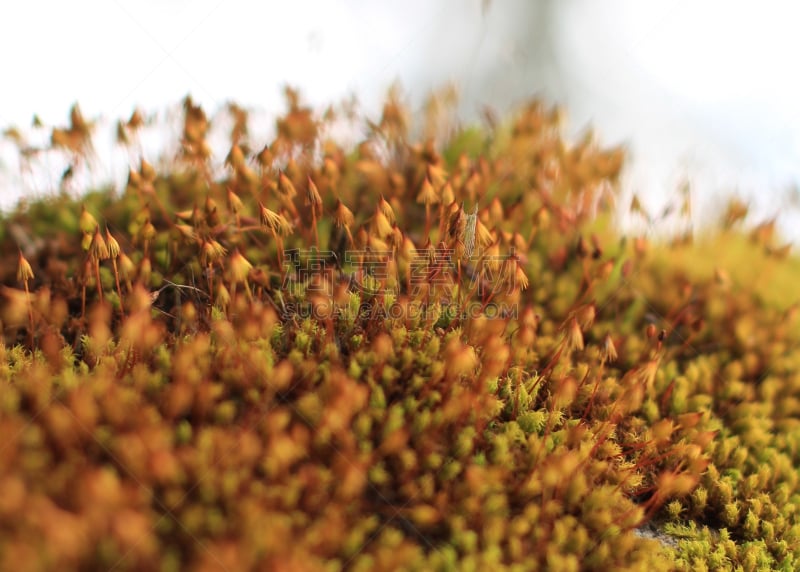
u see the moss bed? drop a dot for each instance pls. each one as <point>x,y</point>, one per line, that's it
<point>432,351</point>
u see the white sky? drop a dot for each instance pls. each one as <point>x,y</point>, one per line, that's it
<point>703,88</point>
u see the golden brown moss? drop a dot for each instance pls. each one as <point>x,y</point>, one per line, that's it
<point>412,355</point>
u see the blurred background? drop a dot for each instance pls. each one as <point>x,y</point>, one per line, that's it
<point>701,91</point>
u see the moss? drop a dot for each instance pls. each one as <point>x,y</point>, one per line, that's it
<point>293,362</point>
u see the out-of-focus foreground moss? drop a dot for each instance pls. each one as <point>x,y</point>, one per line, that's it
<point>294,363</point>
